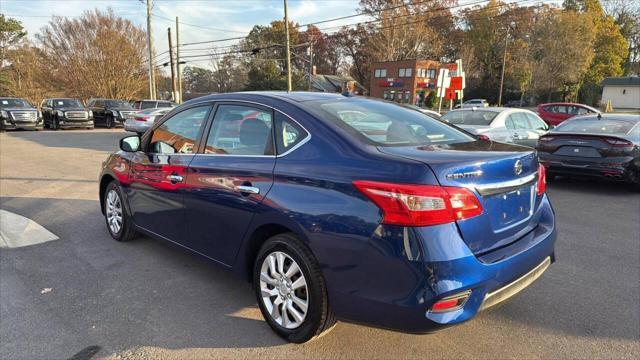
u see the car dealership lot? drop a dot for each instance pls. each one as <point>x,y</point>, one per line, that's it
<point>148,299</point>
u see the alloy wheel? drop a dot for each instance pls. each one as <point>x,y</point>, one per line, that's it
<point>113,210</point>
<point>284,290</point>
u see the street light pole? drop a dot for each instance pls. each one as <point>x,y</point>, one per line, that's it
<point>152,80</point>
<point>179,74</point>
<point>286,27</point>
<point>504,63</point>
<point>173,69</point>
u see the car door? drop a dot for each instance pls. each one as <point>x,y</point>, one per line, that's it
<point>46,111</point>
<point>536,128</point>
<point>98,111</point>
<point>158,173</point>
<point>229,179</point>
<point>516,122</point>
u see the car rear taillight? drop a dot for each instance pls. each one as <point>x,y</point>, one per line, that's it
<point>542,180</point>
<point>451,303</point>
<point>618,142</point>
<point>142,118</point>
<point>420,205</point>
<point>483,137</point>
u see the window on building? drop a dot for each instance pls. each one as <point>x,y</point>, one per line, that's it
<point>380,73</point>
<point>401,72</point>
<point>408,72</point>
<point>431,73</point>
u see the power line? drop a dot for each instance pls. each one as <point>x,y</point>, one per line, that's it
<point>199,26</point>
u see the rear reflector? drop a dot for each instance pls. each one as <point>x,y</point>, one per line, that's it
<point>420,205</point>
<point>451,303</point>
<point>542,180</point>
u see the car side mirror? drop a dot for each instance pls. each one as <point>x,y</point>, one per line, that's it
<point>130,143</point>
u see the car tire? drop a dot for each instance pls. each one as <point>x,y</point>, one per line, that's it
<point>109,122</point>
<point>116,215</point>
<point>281,292</point>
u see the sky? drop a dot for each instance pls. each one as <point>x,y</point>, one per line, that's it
<point>200,20</point>
<point>213,19</point>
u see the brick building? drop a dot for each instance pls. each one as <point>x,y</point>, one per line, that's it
<point>403,81</point>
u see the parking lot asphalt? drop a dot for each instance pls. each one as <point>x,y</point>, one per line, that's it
<point>147,299</point>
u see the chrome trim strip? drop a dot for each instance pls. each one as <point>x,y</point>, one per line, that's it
<point>497,296</point>
<point>505,186</point>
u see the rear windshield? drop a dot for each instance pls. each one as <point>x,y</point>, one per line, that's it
<point>14,103</point>
<point>386,124</point>
<point>119,104</point>
<point>164,104</point>
<point>595,126</point>
<point>470,117</point>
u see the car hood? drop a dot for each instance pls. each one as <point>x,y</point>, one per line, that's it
<point>71,109</point>
<point>18,109</point>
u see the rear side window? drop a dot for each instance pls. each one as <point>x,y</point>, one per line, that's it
<point>240,130</point>
<point>517,121</point>
<point>288,133</point>
<point>385,124</point>
<point>147,105</point>
<point>179,134</point>
<point>164,104</point>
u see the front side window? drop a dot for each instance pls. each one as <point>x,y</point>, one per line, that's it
<point>470,117</point>
<point>386,124</point>
<point>240,130</point>
<point>535,122</point>
<point>178,135</point>
<point>288,133</point>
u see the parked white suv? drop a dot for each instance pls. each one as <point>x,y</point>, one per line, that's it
<point>474,103</point>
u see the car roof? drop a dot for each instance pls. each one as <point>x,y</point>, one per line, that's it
<point>294,96</point>
<point>609,116</point>
<point>491,109</point>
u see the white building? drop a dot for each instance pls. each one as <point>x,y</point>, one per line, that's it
<point>624,92</point>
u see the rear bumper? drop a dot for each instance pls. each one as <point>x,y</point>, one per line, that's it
<point>399,295</point>
<point>136,126</point>
<point>616,168</point>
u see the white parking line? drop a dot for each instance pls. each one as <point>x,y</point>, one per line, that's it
<point>18,231</point>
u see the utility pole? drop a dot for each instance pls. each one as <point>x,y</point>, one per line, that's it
<point>178,62</point>
<point>173,69</point>
<point>286,28</point>
<point>310,62</point>
<point>504,63</point>
<point>152,75</point>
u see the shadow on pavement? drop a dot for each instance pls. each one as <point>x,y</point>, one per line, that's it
<point>90,140</point>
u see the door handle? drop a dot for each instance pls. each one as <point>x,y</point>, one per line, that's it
<point>516,136</point>
<point>247,189</point>
<point>174,178</point>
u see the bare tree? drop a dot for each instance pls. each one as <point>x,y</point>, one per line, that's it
<point>96,55</point>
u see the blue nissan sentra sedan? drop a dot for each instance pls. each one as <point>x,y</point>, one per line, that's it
<point>337,208</point>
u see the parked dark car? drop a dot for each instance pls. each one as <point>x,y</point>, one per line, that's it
<point>16,113</point>
<point>392,219</point>
<point>152,104</point>
<point>556,113</point>
<point>110,112</point>
<point>606,146</point>
<point>64,113</point>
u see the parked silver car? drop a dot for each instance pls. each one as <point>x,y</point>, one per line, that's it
<point>509,125</point>
<point>477,103</point>
<point>142,120</point>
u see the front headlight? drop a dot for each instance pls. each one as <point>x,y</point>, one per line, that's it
<point>4,114</point>
<point>60,113</point>
<point>90,114</point>
<point>115,113</point>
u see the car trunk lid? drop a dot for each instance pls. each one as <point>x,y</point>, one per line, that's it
<point>503,177</point>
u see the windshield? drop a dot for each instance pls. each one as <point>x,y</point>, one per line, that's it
<point>14,103</point>
<point>383,123</point>
<point>66,103</point>
<point>470,117</point>
<point>595,126</point>
<point>119,104</point>
<point>164,104</point>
